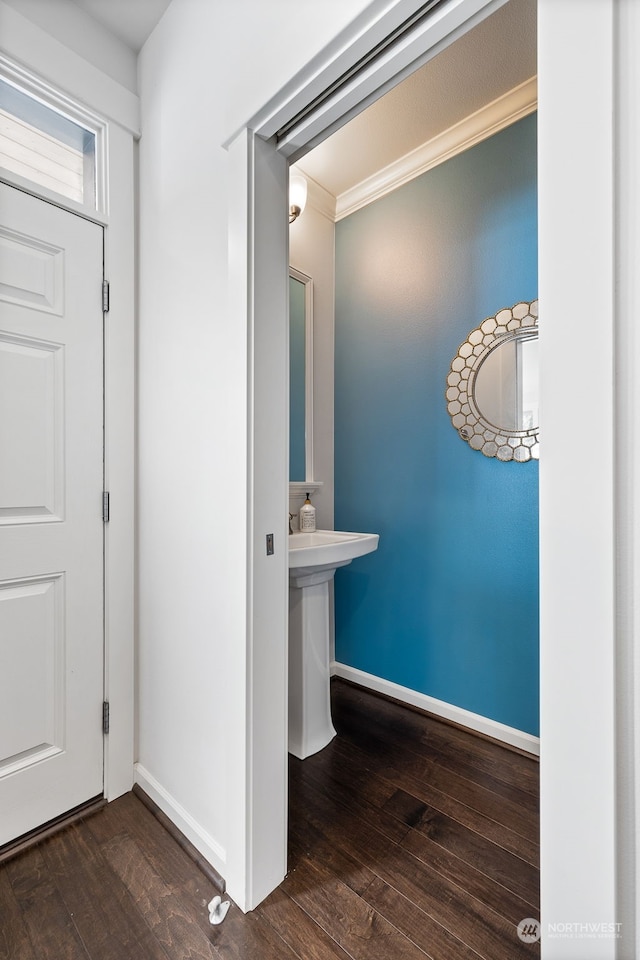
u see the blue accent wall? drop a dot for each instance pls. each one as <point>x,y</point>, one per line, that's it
<point>448,605</point>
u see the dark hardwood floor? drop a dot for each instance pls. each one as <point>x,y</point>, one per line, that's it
<point>409,838</point>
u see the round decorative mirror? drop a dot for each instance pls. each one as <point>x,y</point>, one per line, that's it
<point>492,385</point>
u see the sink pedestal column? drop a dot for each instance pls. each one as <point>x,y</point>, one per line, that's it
<point>310,726</point>
<point>313,559</point>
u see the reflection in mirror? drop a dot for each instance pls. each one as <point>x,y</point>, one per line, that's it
<point>297,466</point>
<point>506,386</point>
<point>300,376</point>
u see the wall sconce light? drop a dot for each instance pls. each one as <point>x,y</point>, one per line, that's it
<point>297,195</point>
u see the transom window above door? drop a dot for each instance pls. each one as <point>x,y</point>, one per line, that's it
<point>46,146</point>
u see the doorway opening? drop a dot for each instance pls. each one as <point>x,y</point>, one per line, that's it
<point>260,157</point>
<point>259,233</point>
<point>421,214</point>
<point>396,284</point>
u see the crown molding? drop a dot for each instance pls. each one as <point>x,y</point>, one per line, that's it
<point>319,198</point>
<point>492,118</point>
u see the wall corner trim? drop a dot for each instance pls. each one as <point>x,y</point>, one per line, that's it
<point>448,711</point>
<point>210,849</point>
<point>320,199</point>
<point>484,123</point>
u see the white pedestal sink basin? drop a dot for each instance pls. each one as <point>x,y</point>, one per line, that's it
<point>313,560</point>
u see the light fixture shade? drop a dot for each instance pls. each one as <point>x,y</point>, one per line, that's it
<point>297,195</point>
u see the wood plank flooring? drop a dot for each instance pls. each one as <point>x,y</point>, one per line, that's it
<point>409,839</point>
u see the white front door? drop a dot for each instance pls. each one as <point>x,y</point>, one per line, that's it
<point>51,531</point>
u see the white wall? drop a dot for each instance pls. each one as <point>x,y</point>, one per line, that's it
<point>627,363</point>
<point>79,32</point>
<point>577,585</point>
<point>193,387</point>
<point>312,250</point>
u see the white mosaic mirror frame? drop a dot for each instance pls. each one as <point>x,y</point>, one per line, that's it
<point>515,322</point>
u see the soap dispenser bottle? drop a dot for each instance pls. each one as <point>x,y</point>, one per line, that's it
<point>307,516</point>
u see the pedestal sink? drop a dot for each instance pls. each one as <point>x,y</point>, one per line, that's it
<point>313,560</point>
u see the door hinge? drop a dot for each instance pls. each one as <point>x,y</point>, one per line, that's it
<point>105,296</point>
<point>105,716</point>
<point>105,506</point>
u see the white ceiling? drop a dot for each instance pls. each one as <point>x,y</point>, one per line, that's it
<point>487,62</point>
<point>130,20</point>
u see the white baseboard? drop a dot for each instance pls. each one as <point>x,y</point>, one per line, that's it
<point>202,841</point>
<point>491,728</point>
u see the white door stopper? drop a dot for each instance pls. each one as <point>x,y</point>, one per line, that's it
<point>218,910</point>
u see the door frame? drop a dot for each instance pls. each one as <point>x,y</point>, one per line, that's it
<point>577,879</point>
<point>118,111</point>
